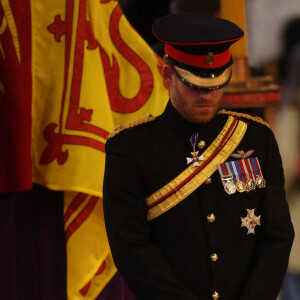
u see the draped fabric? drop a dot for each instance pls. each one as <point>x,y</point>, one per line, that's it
<point>70,71</point>
<point>15,96</point>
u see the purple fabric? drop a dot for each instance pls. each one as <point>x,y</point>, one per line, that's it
<point>116,289</point>
<point>32,245</point>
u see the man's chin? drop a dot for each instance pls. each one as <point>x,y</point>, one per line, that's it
<point>203,117</point>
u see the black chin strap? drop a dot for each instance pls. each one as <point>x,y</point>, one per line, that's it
<point>196,87</point>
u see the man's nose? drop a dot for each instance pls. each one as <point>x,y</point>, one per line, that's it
<point>203,94</point>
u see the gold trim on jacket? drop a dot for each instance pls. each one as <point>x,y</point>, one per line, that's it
<point>220,149</point>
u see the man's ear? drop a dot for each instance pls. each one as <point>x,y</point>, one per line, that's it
<point>168,74</point>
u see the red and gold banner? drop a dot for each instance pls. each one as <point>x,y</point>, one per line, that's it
<point>89,262</point>
<point>90,63</point>
<point>71,70</point>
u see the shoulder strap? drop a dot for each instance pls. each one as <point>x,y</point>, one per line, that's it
<point>131,124</point>
<point>190,179</point>
<point>245,116</point>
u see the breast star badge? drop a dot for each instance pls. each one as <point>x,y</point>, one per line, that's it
<point>250,221</point>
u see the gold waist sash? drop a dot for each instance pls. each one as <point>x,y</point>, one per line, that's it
<point>191,178</point>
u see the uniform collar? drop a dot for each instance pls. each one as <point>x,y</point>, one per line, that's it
<point>184,129</point>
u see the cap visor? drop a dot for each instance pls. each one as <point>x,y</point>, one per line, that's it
<point>201,82</point>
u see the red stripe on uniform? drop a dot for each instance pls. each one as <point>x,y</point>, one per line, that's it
<point>198,169</point>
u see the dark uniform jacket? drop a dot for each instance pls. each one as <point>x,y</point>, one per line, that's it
<point>169,256</point>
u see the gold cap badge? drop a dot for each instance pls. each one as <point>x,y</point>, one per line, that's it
<point>210,58</point>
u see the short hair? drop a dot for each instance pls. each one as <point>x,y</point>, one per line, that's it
<point>166,59</point>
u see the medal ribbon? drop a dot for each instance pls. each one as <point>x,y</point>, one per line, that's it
<point>247,169</point>
<point>194,140</point>
<point>230,172</point>
<point>255,167</point>
<point>237,171</point>
<point>258,166</point>
<point>221,171</point>
<point>225,172</point>
<point>226,176</point>
<point>251,168</point>
<point>222,167</point>
<point>243,170</point>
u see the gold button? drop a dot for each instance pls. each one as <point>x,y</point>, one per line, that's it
<point>208,181</point>
<point>201,144</point>
<point>215,295</point>
<point>214,257</point>
<point>211,218</point>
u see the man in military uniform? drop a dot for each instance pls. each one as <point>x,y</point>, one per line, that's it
<point>194,199</point>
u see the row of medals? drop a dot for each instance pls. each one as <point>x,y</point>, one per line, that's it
<point>240,186</point>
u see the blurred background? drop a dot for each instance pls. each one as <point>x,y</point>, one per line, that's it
<point>265,81</point>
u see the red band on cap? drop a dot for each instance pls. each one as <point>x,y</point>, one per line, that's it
<point>202,61</point>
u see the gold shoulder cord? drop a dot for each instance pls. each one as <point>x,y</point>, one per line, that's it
<point>242,115</point>
<point>134,123</point>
